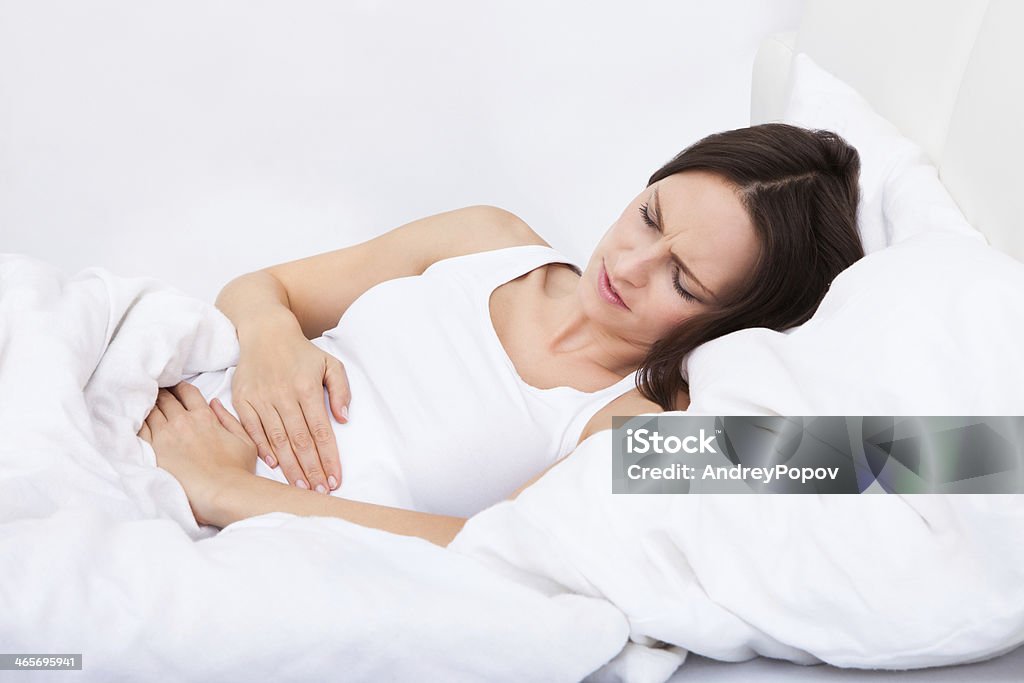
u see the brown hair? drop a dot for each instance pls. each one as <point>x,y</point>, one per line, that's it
<point>800,189</point>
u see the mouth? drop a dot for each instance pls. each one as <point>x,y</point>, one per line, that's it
<point>606,290</point>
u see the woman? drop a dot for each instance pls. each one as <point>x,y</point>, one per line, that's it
<point>744,228</point>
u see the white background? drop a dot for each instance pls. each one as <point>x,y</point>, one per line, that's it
<point>195,141</point>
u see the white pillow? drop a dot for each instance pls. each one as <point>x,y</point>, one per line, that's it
<point>929,326</point>
<point>893,168</point>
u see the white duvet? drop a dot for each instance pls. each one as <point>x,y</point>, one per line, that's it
<point>100,555</point>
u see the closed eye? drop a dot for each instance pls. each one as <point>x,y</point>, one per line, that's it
<point>647,217</point>
<point>675,273</point>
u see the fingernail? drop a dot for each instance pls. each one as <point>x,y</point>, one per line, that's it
<point>301,483</point>
<point>271,461</point>
<point>344,412</point>
<point>332,481</point>
<point>320,488</point>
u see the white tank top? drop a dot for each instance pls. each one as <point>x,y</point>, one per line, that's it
<point>440,421</point>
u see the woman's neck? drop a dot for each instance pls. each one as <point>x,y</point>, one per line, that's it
<point>571,334</point>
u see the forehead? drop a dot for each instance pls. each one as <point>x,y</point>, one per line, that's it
<point>704,203</point>
<point>707,226</point>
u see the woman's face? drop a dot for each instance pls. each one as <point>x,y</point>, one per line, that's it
<point>675,251</point>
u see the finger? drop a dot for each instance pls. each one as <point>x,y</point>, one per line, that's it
<point>156,418</point>
<point>146,434</point>
<point>326,445</point>
<point>168,404</point>
<point>189,396</point>
<point>302,446</point>
<point>253,426</point>
<point>228,421</point>
<point>277,435</point>
<point>338,393</point>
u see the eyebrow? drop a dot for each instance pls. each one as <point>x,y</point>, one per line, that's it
<point>678,261</point>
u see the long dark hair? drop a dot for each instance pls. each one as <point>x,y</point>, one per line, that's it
<point>800,189</point>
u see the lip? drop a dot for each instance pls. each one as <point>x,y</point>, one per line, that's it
<point>604,286</point>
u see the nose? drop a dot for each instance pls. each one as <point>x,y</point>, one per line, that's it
<point>634,265</point>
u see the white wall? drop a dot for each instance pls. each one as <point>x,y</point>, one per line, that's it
<point>197,140</point>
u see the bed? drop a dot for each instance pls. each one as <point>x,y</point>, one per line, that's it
<point>102,557</point>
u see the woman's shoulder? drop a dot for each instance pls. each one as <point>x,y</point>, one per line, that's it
<point>475,230</point>
<point>500,228</point>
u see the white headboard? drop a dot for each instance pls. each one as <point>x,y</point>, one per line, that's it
<point>945,72</point>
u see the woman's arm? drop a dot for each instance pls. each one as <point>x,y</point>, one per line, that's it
<point>277,388</point>
<point>312,293</point>
<point>257,304</point>
<point>242,495</point>
<point>207,450</point>
<point>278,384</point>
<point>211,455</point>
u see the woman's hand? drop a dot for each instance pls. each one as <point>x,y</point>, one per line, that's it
<point>278,393</point>
<point>201,446</point>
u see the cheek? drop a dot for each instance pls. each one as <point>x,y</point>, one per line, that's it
<point>670,309</point>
